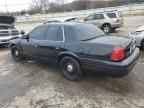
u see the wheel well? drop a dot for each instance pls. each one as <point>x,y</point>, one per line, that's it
<point>12,45</point>
<point>142,42</point>
<point>64,55</point>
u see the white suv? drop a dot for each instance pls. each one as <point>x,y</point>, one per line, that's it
<point>107,21</point>
<point>138,36</point>
<point>7,30</point>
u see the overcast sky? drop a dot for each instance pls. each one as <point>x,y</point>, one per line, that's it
<point>15,5</point>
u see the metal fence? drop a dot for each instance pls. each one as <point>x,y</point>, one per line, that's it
<point>126,10</point>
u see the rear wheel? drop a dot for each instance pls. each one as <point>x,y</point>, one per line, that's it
<point>16,53</point>
<point>106,28</point>
<point>70,68</point>
<point>142,44</point>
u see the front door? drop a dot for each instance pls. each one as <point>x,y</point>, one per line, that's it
<point>90,19</point>
<point>31,46</point>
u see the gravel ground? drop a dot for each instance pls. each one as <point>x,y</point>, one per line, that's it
<point>29,84</point>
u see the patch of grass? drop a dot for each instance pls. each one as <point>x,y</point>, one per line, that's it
<point>134,13</point>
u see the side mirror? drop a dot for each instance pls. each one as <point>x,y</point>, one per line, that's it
<point>25,37</point>
<point>22,32</point>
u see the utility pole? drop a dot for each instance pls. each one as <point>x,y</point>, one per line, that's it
<point>106,3</point>
<point>6,9</point>
<point>63,3</point>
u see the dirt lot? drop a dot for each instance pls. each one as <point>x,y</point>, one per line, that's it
<point>29,84</point>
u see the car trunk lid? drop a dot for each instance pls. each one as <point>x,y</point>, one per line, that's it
<point>127,44</point>
<point>112,40</point>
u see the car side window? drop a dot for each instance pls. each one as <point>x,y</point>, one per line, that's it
<point>69,34</point>
<point>90,18</point>
<point>38,33</point>
<point>54,33</point>
<point>111,15</point>
<point>99,16</point>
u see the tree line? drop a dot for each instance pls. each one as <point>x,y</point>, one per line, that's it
<point>49,6</point>
<point>45,6</point>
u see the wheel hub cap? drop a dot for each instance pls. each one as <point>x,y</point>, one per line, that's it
<point>16,53</point>
<point>70,68</point>
<point>106,29</point>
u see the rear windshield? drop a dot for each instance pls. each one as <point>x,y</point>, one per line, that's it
<point>111,15</point>
<point>72,19</point>
<point>87,31</point>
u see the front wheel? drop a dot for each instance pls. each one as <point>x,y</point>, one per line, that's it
<point>70,68</point>
<point>16,53</point>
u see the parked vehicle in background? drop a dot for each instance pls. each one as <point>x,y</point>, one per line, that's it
<point>107,21</point>
<point>65,19</point>
<point>138,36</point>
<point>7,30</point>
<point>76,47</point>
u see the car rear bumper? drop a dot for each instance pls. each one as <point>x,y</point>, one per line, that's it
<point>117,69</point>
<point>117,25</point>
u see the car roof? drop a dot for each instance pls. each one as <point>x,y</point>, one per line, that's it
<point>62,19</point>
<point>102,12</point>
<point>64,23</point>
<point>111,11</point>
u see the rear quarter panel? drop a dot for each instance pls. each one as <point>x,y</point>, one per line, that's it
<point>86,50</point>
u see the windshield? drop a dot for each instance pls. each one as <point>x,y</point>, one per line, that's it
<point>87,31</point>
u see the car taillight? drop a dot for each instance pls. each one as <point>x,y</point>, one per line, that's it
<point>117,20</point>
<point>117,53</point>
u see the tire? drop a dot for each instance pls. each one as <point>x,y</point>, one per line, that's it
<point>16,53</point>
<point>113,30</point>
<point>142,44</point>
<point>70,68</point>
<point>106,28</point>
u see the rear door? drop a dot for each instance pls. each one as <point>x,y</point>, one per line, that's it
<point>53,43</point>
<point>99,19</point>
<point>96,19</point>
